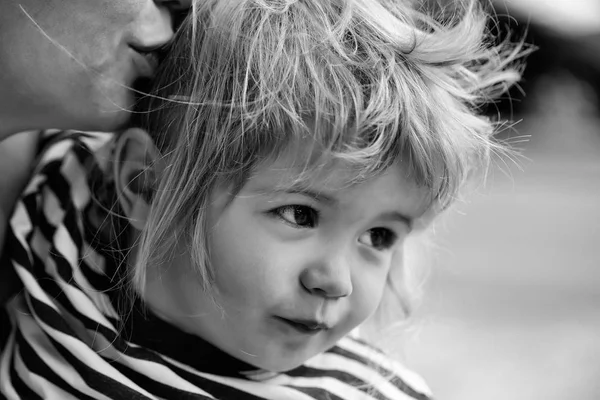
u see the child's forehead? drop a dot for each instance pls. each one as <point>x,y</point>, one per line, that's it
<point>294,170</point>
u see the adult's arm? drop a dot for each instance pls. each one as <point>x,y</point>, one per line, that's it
<point>17,154</point>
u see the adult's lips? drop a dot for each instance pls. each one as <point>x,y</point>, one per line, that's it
<point>147,59</point>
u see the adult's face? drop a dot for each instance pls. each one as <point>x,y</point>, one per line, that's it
<point>71,63</point>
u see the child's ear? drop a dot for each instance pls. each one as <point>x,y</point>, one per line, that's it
<point>135,171</point>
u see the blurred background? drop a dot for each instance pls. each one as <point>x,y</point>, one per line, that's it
<point>511,308</point>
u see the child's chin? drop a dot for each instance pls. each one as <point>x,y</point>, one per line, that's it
<point>280,364</point>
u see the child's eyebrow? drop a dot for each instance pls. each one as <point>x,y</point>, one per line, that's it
<point>317,195</point>
<point>399,217</point>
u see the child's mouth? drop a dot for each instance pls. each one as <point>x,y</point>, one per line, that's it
<point>309,327</point>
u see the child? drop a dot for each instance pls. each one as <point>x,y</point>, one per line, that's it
<point>228,249</point>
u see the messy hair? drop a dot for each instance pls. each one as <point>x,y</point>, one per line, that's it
<point>369,82</point>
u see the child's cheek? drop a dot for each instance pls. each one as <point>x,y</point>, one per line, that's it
<point>367,294</point>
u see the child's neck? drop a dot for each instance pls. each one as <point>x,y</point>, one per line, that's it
<point>153,290</point>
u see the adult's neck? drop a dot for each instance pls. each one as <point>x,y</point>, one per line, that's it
<point>11,124</point>
<point>21,111</point>
<point>16,107</point>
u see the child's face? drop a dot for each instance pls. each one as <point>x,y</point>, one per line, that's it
<point>286,261</point>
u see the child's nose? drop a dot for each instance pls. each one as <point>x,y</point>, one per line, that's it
<point>329,277</point>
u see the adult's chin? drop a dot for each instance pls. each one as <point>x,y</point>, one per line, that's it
<point>109,121</point>
<point>126,105</point>
<point>108,112</point>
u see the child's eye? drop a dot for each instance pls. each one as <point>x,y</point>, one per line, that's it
<point>378,238</point>
<point>297,215</point>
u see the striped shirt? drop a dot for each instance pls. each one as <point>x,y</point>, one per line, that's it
<point>75,334</point>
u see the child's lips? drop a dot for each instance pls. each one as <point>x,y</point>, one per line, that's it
<point>305,326</point>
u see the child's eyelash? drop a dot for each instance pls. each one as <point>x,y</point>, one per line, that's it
<point>382,238</point>
<point>305,217</point>
<point>296,215</point>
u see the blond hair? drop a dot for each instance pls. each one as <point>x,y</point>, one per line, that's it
<point>367,81</point>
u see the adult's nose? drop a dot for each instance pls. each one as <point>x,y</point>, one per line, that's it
<point>154,28</point>
<point>329,277</point>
